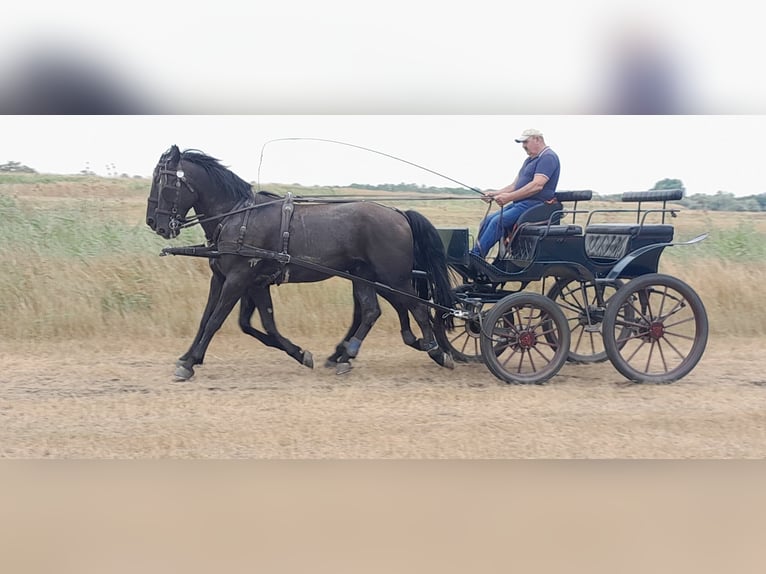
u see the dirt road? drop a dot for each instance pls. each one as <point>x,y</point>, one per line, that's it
<point>95,399</point>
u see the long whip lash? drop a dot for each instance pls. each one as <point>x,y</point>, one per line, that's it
<point>260,163</point>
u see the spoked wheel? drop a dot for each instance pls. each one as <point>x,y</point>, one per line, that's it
<point>464,340</point>
<point>655,329</point>
<point>516,339</point>
<point>584,305</point>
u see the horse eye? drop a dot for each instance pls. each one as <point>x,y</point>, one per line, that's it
<point>180,173</point>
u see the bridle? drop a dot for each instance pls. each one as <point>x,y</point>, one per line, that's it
<point>171,181</point>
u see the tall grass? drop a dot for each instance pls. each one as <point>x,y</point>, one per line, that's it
<point>72,273</point>
<point>79,269</point>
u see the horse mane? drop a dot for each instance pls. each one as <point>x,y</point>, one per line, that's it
<point>268,194</point>
<point>221,175</point>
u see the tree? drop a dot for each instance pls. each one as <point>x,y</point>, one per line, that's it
<point>15,167</point>
<point>670,184</point>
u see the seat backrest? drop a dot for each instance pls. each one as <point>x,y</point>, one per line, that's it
<point>540,214</point>
<point>575,195</point>
<point>537,215</point>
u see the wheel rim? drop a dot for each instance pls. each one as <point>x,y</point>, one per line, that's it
<point>659,332</point>
<point>583,305</point>
<point>526,340</point>
<point>464,341</point>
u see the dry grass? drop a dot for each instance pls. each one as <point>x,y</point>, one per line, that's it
<point>93,321</point>
<point>78,284</point>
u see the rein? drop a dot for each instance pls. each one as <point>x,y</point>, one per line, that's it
<point>199,219</point>
<point>183,223</point>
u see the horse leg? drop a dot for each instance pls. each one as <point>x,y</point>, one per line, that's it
<point>260,298</point>
<point>340,349</point>
<point>428,343</point>
<point>231,291</point>
<point>409,338</point>
<point>214,294</point>
<point>369,311</point>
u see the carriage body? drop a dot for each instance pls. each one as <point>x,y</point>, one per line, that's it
<point>656,332</point>
<point>540,248</point>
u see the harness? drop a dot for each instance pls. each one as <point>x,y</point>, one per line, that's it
<point>256,254</point>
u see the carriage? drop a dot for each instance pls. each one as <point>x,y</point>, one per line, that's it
<point>601,296</point>
<point>604,297</point>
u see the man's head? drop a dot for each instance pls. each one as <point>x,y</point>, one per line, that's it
<point>532,140</point>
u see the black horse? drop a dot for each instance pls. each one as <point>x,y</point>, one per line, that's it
<point>257,240</point>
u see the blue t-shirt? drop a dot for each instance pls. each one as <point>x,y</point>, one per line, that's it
<point>546,163</point>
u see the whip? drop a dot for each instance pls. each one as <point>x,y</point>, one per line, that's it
<point>388,155</point>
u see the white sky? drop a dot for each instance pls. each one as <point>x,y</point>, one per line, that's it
<point>608,154</point>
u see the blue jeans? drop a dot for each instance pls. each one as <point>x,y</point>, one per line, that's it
<point>492,229</point>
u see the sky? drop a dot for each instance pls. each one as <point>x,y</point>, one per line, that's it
<point>628,93</point>
<point>607,154</point>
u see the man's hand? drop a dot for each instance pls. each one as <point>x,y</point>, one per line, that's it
<point>488,197</point>
<point>503,198</point>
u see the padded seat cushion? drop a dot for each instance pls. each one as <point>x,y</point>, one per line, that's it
<point>553,230</point>
<point>659,230</point>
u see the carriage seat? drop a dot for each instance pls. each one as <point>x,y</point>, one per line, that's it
<point>526,239</point>
<point>540,214</point>
<point>614,240</point>
<point>550,231</point>
<point>539,221</point>
<point>548,213</point>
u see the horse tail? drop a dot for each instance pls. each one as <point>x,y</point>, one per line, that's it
<point>430,256</point>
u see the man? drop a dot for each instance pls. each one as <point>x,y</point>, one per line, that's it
<point>535,183</point>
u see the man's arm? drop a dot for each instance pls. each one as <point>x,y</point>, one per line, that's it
<point>538,182</point>
<point>490,195</point>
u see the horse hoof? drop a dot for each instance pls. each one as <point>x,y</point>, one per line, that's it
<point>343,368</point>
<point>308,359</point>
<point>442,359</point>
<point>183,373</point>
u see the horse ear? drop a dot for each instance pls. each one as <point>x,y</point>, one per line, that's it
<point>175,153</point>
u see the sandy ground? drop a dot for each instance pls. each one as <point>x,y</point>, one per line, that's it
<point>118,399</point>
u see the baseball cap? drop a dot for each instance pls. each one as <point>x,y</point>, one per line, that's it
<point>526,134</point>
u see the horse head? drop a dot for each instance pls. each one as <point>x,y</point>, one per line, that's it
<point>192,179</point>
<point>171,196</point>
<point>171,154</point>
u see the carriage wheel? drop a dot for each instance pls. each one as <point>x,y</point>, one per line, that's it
<point>464,340</point>
<point>584,305</point>
<point>663,336</point>
<point>516,339</point>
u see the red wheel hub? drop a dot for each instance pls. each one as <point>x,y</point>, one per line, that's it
<point>527,339</point>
